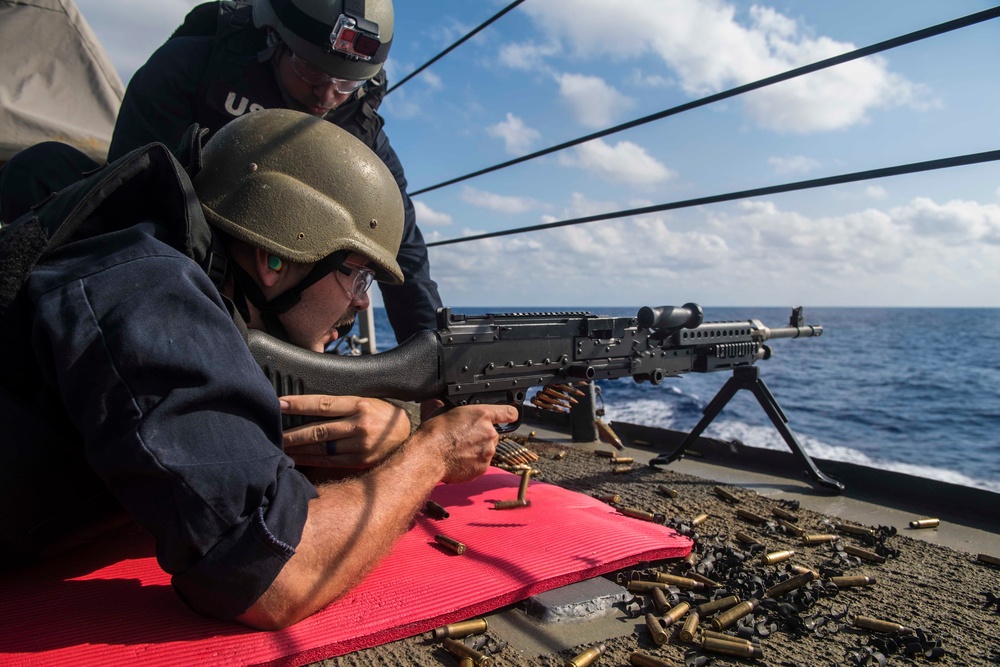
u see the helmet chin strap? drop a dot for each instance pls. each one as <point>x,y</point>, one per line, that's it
<point>247,289</point>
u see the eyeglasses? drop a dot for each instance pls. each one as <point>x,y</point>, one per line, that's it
<point>362,281</point>
<point>314,76</point>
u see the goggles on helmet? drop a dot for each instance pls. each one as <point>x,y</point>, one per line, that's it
<point>357,39</point>
<point>361,282</point>
<point>314,76</point>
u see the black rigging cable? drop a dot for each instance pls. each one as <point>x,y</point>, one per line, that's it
<point>912,168</point>
<point>948,26</point>
<point>456,44</point>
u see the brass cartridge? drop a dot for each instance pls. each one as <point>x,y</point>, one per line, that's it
<point>690,628</point>
<point>449,543</point>
<point>925,523</point>
<point>676,613</point>
<point>988,559</point>
<point>642,660</point>
<point>641,514</point>
<point>621,470</point>
<point>611,498</point>
<point>723,637</point>
<point>726,495</point>
<point>709,608</point>
<point>559,456</point>
<point>802,569</point>
<point>784,514</point>
<point>466,662</point>
<point>864,555</point>
<point>459,649</point>
<point>698,520</point>
<point>851,582</point>
<point>748,650</point>
<point>791,528</point>
<point>510,504</point>
<point>750,516</point>
<point>854,530</point>
<point>667,491</point>
<point>660,600</point>
<point>691,560</point>
<point>476,626</point>
<point>703,579</point>
<point>876,625</point>
<point>680,582</point>
<point>587,657</point>
<point>789,584</point>
<point>810,540</point>
<point>435,511</point>
<point>522,491</point>
<point>733,614</point>
<point>604,454</point>
<point>745,539</point>
<point>623,459</point>
<point>776,557</point>
<point>656,629</point>
<point>640,587</point>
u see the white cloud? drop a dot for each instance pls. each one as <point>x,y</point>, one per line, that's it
<point>517,137</point>
<point>792,164</point>
<point>709,48</point>
<point>495,202</point>
<point>430,79</point>
<point>624,162</point>
<point>528,56</point>
<point>876,192</point>
<point>592,101</point>
<point>426,216</point>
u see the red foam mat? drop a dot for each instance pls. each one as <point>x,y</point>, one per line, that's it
<point>114,606</point>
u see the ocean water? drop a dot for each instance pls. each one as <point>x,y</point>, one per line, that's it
<point>905,389</point>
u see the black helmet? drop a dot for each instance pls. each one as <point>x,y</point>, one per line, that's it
<point>347,39</point>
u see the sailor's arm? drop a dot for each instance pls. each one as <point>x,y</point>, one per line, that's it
<point>353,524</point>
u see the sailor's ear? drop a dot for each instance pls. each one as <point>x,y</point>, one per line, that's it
<point>267,267</point>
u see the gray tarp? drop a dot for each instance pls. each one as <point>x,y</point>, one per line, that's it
<point>56,82</point>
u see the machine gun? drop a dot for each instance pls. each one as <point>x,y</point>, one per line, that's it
<point>496,358</point>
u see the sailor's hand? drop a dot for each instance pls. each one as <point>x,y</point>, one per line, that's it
<point>466,438</point>
<point>353,432</point>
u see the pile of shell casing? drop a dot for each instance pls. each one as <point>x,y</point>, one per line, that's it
<point>557,397</point>
<point>511,453</point>
<point>475,647</point>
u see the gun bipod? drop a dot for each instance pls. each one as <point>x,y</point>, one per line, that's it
<point>748,377</point>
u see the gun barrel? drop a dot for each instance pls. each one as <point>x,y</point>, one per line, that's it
<point>804,331</point>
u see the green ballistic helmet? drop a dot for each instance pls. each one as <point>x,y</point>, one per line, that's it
<point>347,39</point>
<point>301,188</point>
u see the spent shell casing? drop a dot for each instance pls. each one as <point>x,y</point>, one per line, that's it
<point>700,519</point>
<point>475,626</point>
<point>604,454</point>
<point>789,584</point>
<point>854,530</point>
<point>656,630</point>
<point>802,569</point>
<point>724,637</point>
<point>640,587</point>
<point>746,539</point>
<point>711,583</point>
<point>623,459</point>
<point>726,495</point>
<point>690,628</point>
<point>466,662</point>
<point>824,538</point>
<point>667,491</point>
<point>676,613</point>
<point>660,600</point>
<point>988,559</point>
<point>733,614</point>
<point>750,516</point>
<point>522,490</point>
<point>462,651</point>
<point>435,511</point>
<point>612,498</point>
<point>621,470</point>
<point>725,647</point>
<point>852,582</point>
<point>776,557</point>
<point>680,582</point>
<point>784,514</point>
<point>791,528</point>
<point>691,560</point>
<point>876,625</point>
<point>587,657</point>
<point>642,660</point>
<point>925,523</point>
<point>511,504</point>
<point>637,513</point>
<point>559,456</point>
<point>709,608</point>
<point>864,554</point>
<point>449,543</point>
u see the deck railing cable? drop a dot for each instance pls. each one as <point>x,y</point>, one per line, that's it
<point>886,45</point>
<point>912,168</point>
<point>461,41</point>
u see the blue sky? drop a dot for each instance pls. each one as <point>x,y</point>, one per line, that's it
<point>553,70</point>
